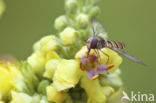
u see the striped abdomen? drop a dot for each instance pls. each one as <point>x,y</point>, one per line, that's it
<point>114,44</point>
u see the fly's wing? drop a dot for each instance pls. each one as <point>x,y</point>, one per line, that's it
<point>98,28</point>
<point>128,56</point>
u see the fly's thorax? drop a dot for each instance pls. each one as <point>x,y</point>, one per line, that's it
<point>101,43</point>
<point>95,42</point>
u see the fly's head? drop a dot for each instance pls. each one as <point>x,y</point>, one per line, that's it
<point>91,42</point>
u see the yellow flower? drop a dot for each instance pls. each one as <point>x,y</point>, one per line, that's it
<point>8,73</point>
<point>67,74</point>
<point>68,36</point>
<point>94,90</point>
<point>114,58</point>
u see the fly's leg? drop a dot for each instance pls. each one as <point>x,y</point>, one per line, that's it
<point>97,52</point>
<point>110,65</point>
<point>88,53</point>
<point>107,61</point>
<point>106,55</point>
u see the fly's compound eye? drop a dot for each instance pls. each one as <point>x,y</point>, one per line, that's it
<point>87,41</point>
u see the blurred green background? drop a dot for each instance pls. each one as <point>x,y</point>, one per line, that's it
<point>132,22</point>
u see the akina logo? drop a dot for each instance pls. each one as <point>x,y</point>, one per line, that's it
<point>138,96</point>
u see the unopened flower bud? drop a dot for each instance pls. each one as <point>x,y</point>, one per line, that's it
<point>112,79</point>
<point>108,90</point>
<point>44,99</point>
<point>52,55</point>
<point>82,20</point>
<point>2,7</point>
<point>94,12</point>
<point>71,6</point>
<point>48,43</point>
<point>54,95</point>
<point>37,61</point>
<point>42,86</point>
<point>68,36</point>
<point>37,46</point>
<point>60,22</point>
<point>93,2</point>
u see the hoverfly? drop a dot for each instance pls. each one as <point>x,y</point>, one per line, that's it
<point>97,42</point>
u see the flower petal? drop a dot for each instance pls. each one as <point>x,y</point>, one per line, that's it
<point>67,74</point>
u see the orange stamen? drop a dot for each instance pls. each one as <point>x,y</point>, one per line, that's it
<point>110,66</point>
<point>95,77</point>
